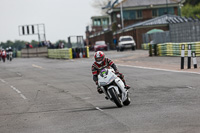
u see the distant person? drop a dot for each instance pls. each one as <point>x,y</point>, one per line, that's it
<point>115,42</point>
<point>0,54</point>
<point>30,46</point>
<point>3,55</point>
<point>7,53</point>
<point>27,45</point>
<point>10,52</point>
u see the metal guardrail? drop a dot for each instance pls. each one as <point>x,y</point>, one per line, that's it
<point>60,53</point>
<point>67,53</point>
<point>171,49</point>
<point>174,49</point>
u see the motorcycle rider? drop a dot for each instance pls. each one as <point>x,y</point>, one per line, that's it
<point>10,52</point>
<point>7,53</point>
<point>0,54</point>
<point>102,62</point>
<point>3,55</point>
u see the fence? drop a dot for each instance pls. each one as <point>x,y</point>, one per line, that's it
<point>185,31</point>
<point>155,38</point>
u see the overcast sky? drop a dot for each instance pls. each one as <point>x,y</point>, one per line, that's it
<point>62,18</point>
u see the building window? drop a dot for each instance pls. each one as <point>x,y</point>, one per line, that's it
<point>129,15</point>
<point>97,22</point>
<point>155,12</point>
<point>162,11</point>
<point>139,14</point>
<point>105,21</point>
<point>114,17</point>
<point>170,10</point>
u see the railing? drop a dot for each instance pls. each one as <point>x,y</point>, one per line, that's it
<point>171,49</point>
<point>66,53</point>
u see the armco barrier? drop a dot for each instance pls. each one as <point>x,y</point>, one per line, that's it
<point>171,49</point>
<point>60,53</point>
<point>18,53</point>
<point>174,49</point>
<point>145,46</point>
<point>68,53</point>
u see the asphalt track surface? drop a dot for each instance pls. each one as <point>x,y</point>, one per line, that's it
<point>40,95</point>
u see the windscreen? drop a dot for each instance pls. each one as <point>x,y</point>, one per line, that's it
<point>126,39</point>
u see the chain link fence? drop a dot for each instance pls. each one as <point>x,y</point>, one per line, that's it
<point>179,31</point>
<point>185,32</point>
<point>155,38</point>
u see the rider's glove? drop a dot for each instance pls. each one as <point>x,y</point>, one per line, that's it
<point>99,90</point>
<point>116,72</point>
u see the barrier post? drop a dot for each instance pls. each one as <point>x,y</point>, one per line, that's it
<point>150,50</point>
<point>194,59</point>
<point>182,55</point>
<point>155,50</point>
<point>189,56</point>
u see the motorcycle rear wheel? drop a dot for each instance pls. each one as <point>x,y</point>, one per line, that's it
<point>115,97</point>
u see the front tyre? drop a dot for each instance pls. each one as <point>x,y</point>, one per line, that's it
<point>127,101</point>
<point>115,97</point>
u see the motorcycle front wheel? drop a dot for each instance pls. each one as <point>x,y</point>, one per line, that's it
<point>115,97</point>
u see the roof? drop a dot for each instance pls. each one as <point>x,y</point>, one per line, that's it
<point>104,16</point>
<point>137,3</point>
<point>161,20</point>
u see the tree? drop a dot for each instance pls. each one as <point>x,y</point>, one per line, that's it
<point>192,2</point>
<point>98,4</point>
<point>190,10</point>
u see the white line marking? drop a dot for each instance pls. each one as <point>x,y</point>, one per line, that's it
<point>33,65</point>
<point>19,92</point>
<point>86,98</point>
<point>3,81</point>
<point>15,89</point>
<point>19,74</point>
<point>158,69</point>
<point>23,96</point>
<point>99,109</point>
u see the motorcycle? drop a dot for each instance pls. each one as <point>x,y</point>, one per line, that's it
<point>3,56</point>
<point>113,87</point>
<point>10,56</point>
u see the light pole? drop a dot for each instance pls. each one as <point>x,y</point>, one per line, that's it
<point>121,11</point>
<point>166,6</point>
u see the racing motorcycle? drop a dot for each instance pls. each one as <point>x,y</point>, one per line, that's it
<point>113,87</point>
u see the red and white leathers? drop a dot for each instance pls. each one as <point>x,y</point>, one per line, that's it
<point>3,53</point>
<point>96,68</point>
